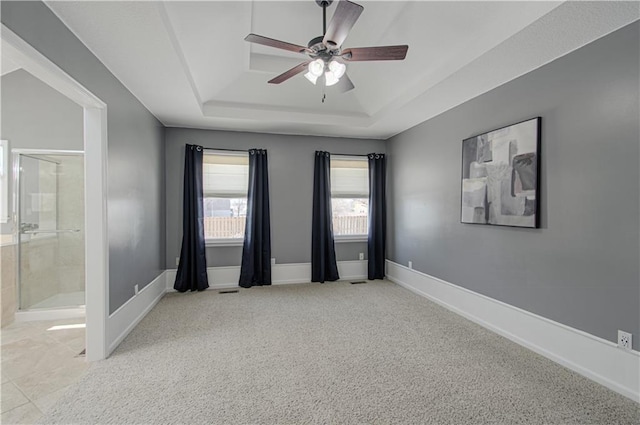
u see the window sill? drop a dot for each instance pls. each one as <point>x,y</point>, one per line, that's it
<point>223,242</point>
<point>350,238</point>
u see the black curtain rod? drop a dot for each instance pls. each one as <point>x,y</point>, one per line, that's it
<point>241,150</point>
<point>229,150</point>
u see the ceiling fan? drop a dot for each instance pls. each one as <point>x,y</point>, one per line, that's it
<point>325,50</point>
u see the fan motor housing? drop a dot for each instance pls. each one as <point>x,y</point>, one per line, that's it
<point>320,50</point>
<point>316,43</point>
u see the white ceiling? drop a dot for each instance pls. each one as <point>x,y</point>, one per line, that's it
<point>188,63</point>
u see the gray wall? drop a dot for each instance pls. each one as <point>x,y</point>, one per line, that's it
<point>581,267</point>
<point>35,116</point>
<point>290,189</point>
<point>135,151</point>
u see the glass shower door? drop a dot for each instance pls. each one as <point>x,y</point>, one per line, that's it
<point>50,235</point>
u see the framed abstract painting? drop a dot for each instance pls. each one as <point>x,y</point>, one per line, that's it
<point>500,176</point>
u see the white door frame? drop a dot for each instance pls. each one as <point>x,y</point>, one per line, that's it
<point>95,173</point>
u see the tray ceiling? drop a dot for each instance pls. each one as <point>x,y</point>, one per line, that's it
<point>188,63</point>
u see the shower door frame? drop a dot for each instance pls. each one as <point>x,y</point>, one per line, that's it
<point>95,183</point>
<point>17,205</point>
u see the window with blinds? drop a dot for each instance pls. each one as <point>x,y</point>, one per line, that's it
<point>350,195</point>
<point>225,185</point>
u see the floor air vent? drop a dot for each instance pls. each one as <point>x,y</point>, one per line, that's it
<point>358,282</point>
<point>232,291</point>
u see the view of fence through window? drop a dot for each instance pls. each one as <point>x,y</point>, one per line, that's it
<point>233,227</point>
<point>224,227</point>
<point>224,218</point>
<point>350,216</point>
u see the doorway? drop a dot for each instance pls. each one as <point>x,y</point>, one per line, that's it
<point>94,135</point>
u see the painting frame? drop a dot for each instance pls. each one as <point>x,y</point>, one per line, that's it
<point>500,178</point>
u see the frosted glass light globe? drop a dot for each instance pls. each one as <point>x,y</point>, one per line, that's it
<point>330,78</point>
<point>313,78</point>
<point>337,68</point>
<point>316,68</point>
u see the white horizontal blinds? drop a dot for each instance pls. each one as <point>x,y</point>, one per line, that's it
<point>225,175</point>
<point>349,177</point>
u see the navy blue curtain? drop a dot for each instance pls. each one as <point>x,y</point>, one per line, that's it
<point>323,252</point>
<point>377,216</point>
<point>256,252</point>
<point>192,269</point>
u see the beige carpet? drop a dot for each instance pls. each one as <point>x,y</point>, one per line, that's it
<point>331,353</point>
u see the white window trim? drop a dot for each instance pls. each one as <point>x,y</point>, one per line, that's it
<point>224,242</point>
<point>221,242</point>
<point>350,238</point>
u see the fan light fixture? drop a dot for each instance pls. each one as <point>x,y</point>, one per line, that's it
<point>316,68</point>
<point>326,48</point>
<point>309,76</point>
<point>332,71</point>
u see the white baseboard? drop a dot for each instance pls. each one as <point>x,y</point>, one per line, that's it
<point>586,354</point>
<point>351,270</point>
<point>50,314</point>
<point>124,319</point>
<point>281,274</point>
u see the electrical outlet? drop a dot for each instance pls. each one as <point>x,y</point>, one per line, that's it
<point>361,256</point>
<point>273,261</point>
<point>624,340</point>
<point>135,289</point>
<point>410,264</point>
<point>177,261</point>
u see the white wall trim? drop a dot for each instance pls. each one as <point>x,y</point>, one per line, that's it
<point>350,270</point>
<point>96,232</point>
<point>281,274</point>
<point>591,356</point>
<point>27,57</point>
<point>122,321</point>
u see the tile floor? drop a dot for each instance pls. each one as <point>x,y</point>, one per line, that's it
<point>39,362</point>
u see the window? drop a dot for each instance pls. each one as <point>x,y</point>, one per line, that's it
<point>225,185</point>
<point>350,196</point>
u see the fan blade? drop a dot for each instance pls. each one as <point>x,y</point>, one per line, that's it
<point>345,84</point>
<point>290,73</point>
<point>380,53</point>
<point>271,42</point>
<point>346,14</point>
